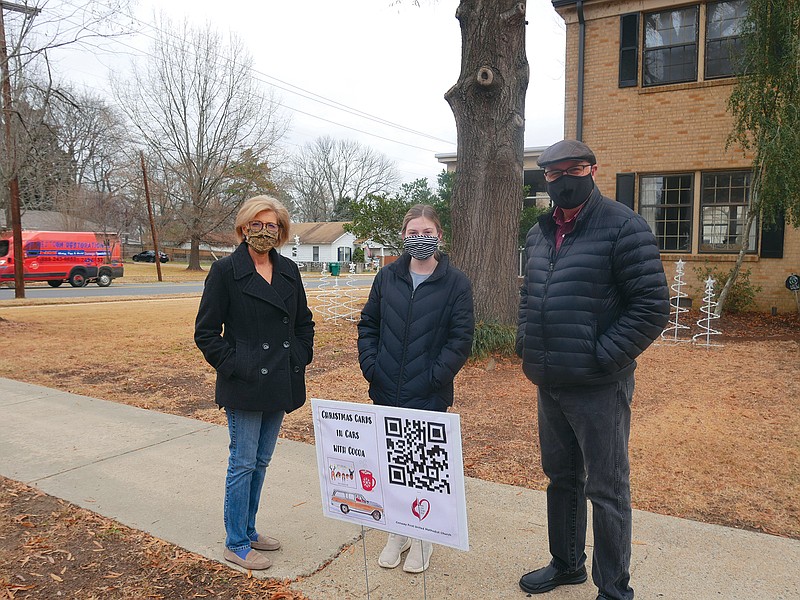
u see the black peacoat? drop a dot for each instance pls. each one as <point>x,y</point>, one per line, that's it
<point>258,336</point>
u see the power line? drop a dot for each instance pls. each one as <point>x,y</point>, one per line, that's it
<point>344,107</point>
<point>312,96</point>
<point>138,53</point>
<point>107,43</point>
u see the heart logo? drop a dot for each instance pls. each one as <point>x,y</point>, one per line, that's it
<point>421,508</point>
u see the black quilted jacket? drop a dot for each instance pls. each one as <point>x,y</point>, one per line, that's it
<point>589,310</point>
<point>411,344</point>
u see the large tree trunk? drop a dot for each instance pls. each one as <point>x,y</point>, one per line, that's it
<point>488,103</point>
<point>194,255</point>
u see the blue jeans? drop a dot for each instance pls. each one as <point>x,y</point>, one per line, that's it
<point>253,436</point>
<point>583,433</point>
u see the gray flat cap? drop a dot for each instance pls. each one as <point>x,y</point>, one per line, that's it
<point>566,150</point>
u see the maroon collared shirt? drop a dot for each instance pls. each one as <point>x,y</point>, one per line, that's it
<point>564,227</point>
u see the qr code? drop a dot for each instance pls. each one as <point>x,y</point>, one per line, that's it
<point>417,454</point>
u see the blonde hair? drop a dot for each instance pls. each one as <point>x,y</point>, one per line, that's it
<point>422,210</point>
<point>258,204</point>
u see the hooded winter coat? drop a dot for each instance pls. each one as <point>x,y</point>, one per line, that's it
<point>587,311</point>
<point>258,336</point>
<point>411,343</point>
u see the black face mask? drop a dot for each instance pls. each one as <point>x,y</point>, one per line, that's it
<point>569,191</point>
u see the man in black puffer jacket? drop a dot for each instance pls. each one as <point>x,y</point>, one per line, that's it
<point>594,298</point>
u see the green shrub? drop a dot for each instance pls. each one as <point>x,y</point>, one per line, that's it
<point>741,297</point>
<point>493,338</point>
<point>527,219</point>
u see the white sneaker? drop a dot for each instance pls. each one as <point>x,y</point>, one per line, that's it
<point>395,546</point>
<point>419,557</point>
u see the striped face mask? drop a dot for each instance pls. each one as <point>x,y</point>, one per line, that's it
<point>421,246</point>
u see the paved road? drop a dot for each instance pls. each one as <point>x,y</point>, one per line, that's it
<point>150,289</point>
<point>115,289</point>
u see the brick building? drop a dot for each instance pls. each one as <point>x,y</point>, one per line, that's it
<point>647,84</point>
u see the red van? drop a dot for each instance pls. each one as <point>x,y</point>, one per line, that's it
<point>79,257</point>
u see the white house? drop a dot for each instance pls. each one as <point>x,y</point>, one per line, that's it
<point>319,242</point>
<point>376,252</point>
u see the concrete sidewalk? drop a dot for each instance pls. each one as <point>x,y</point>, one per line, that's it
<point>165,475</point>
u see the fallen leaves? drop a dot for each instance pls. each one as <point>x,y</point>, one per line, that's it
<point>112,575</point>
<point>12,588</point>
<point>713,438</point>
<point>78,554</point>
<point>23,521</point>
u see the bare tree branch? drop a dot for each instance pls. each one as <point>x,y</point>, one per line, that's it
<point>205,119</point>
<point>328,173</point>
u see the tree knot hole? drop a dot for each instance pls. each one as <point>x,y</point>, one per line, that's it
<point>485,76</point>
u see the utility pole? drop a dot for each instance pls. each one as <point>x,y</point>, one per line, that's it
<point>150,214</point>
<point>13,182</point>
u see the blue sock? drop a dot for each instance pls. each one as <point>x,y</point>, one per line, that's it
<point>254,537</point>
<point>241,553</point>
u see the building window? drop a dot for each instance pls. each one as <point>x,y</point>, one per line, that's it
<point>535,189</point>
<point>670,46</point>
<point>665,201</point>
<point>724,22</point>
<point>724,202</point>
<point>315,253</point>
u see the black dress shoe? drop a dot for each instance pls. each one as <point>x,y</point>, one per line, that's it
<point>548,578</point>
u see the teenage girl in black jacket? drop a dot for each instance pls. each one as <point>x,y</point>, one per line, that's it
<point>415,334</point>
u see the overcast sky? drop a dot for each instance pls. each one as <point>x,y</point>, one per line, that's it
<point>357,69</point>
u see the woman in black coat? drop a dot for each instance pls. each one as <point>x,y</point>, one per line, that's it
<point>254,327</point>
<point>415,334</point>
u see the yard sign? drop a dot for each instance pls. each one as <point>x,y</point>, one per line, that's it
<point>394,469</point>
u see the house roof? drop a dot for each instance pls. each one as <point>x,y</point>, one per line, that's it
<point>317,233</point>
<point>51,220</point>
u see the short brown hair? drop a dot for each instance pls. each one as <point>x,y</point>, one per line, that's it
<point>257,204</point>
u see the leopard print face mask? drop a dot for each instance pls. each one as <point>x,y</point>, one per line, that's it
<point>261,242</point>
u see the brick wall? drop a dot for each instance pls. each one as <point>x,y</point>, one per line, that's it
<point>662,129</point>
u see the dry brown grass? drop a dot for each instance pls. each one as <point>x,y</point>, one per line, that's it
<point>170,271</point>
<point>715,435</point>
<point>715,431</point>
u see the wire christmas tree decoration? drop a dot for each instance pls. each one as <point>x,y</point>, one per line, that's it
<point>337,303</point>
<point>705,323</point>
<point>672,332</point>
